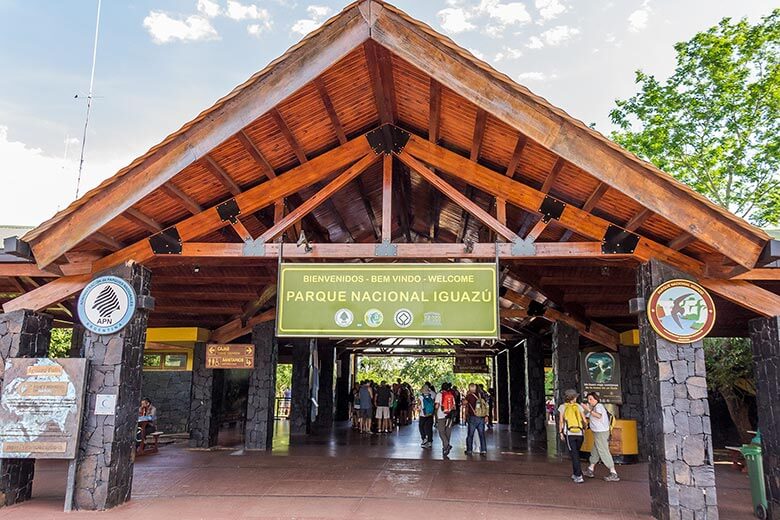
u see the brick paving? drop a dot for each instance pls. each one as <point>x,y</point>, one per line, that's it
<point>346,475</point>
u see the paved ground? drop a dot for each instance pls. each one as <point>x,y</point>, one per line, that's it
<point>346,475</point>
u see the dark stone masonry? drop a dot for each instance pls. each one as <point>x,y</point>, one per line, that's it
<point>326,352</point>
<point>502,388</point>
<point>677,416</point>
<point>300,404</point>
<point>261,399</point>
<point>534,394</point>
<point>22,334</point>
<point>516,365</point>
<point>104,468</point>
<point>169,392</point>
<point>565,365</point>
<point>765,335</point>
<point>203,403</point>
<point>631,383</point>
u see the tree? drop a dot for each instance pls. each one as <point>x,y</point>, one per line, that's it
<point>714,123</point>
<point>60,343</point>
<point>729,363</point>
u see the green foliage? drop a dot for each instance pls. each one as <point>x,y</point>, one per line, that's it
<point>417,371</point>
<point>60,343</point>
<point>729,363</point>
<point>714,123</point>
<point>283,378</point>
<point>549,382</point>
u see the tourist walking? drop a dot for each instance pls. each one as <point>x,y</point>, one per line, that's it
<point>427,401</point>
<point>366,405</point>
<point>571,428</point>
<point>444,406</point>
<point>476,411</point>
<point>598,419</point>
<point>384,397</point>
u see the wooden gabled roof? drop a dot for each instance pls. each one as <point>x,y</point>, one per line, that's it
<point>305,115</point>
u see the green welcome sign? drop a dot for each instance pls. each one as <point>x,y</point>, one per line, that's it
<point>388,300</point>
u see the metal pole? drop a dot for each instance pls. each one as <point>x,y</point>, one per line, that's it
<point>89,100</point>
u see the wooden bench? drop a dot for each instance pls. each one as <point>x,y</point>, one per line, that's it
<point>145,447</point>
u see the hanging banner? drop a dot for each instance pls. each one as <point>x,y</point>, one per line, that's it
<point>681,311</point>
<point>600,372</point>
<point>41,407</point>
<point>388,300</point>
<point>470,365</point>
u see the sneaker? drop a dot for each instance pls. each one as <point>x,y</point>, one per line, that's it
<point>468,452</point>
<point>428,445</point>
<point>588,473</point>
<point>612,477</point>
<point>573,476</point>
<point>447,450</point>
<point>483,452</point>
<point>579,480</point>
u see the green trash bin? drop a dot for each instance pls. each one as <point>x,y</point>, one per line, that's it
<point>755,466</point>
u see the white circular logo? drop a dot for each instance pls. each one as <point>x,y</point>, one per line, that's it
<point>374,318</point>
<point>403,318</point>
<point>344,317</point>
<point>106,305</point>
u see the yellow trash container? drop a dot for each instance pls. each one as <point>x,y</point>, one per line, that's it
<point>623,443</point>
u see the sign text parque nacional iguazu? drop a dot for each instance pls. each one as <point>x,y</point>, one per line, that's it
<point>388,300</point>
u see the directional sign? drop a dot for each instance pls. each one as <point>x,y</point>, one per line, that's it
<point>230,356</point>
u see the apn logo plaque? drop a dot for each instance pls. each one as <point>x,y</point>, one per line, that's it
<point>106,305</point>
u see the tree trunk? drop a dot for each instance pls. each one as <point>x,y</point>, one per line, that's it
<point>738,410</point>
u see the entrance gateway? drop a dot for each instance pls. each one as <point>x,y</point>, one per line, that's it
<point>378,140</point>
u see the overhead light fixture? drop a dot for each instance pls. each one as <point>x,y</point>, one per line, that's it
<point>196,269</point>
<point>468,246</point>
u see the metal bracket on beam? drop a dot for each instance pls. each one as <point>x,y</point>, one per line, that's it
<point>166,242</point>
<point>770,254</point>
<point>145,302</point>
<point>618,241</point>
<point>521,247</point>
<point>536,309</point>
<point>637,306</point>
<point>551,208</point>
<point>17,247</point>
<point>229,211</point>
<point>253,248</point>
<point>387,139</point>
<point>386,248</point>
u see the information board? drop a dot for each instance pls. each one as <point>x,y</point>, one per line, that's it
<point>388,300</point>
<point>40,408</point>
<point>470,365</point>
<point>230,356</point>
<point>600,373</point>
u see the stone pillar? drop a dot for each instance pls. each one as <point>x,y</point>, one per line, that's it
<point>261,399</point>
<point>502,388</point>
<point>565,365</point>
<point>677,415</point>
<point>631,385</point>
<point>536,412</point>
<point>205,399</point>
<point>343,388</point>
<point>516,368</point>
<point>300,404</point>
<point>104,468</point>
<point>23,333</point>
<point>765,335</point>
<point>326,353</point>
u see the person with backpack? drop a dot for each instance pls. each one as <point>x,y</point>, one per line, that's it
<point>444,406</point>
<point>571,428</point>
<point>383,399</point>
<point>601,426</point>
<point>476,411</point>
<point>427,407</point>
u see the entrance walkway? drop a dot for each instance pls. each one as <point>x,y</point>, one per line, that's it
<point>349,475</point>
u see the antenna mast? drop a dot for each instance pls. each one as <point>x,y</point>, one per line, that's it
<point>89,100</point>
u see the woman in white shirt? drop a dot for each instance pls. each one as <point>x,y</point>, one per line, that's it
<point>599,425</point>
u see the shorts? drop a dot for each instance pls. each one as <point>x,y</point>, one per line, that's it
<point>382,412</point>
<point>365,413</point>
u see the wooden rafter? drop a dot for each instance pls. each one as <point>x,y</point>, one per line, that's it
<point>253,307</point>
<point>380,70</point>
<point>338,129</point>
<point>530,199</point>
<point>593,199</point>
<point>401,202</point>
<point>221,175</point>
<point>434,125</point>
<point>106,241</point>
<point>681,241</point>
<point>236,328</point>
<point>480,123</point>
<point>638,220</point>
<point>180,197</point>
<point>142,220</point>
<point>259,159</point>
<point>540,225</point>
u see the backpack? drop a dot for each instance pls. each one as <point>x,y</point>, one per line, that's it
<point>447,402</point>
<point>428,402</point>
<point>481,409</point>
<point>572,419</point>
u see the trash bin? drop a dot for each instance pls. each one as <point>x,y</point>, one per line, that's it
<point>755,466</point>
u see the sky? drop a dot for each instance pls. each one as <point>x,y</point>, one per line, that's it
<point>161,62</point>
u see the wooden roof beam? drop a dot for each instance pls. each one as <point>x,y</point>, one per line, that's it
<point>591,203</point>
<point>638,220</point>
<point>338,129</point>
<point>540,225</point>
<point>253,307</point>
<point>221,175</point>
<point>434,111</point>
<point>480,123</point>
<point>106,241</point>
<point>142,220</point>
<point>180,197</point>
<point>681,241</point>
<point>381,72</point>
<point>257,156</point>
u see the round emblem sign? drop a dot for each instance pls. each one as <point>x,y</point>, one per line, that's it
<point>681,311</point>
<point>106,305</point>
